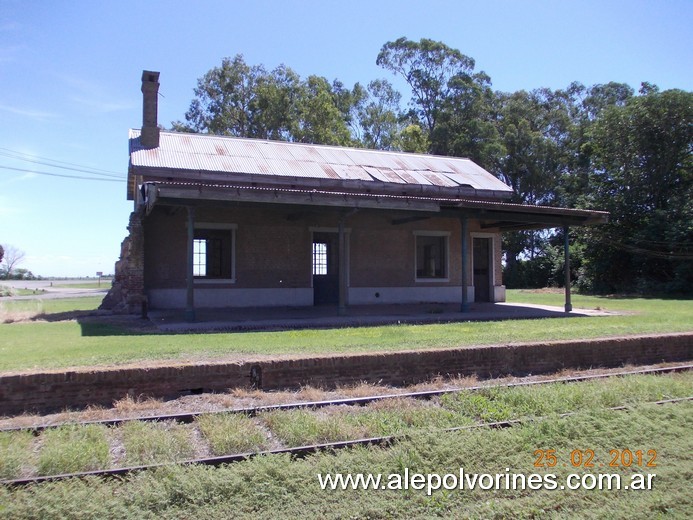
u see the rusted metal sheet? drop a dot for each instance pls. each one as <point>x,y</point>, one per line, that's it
<point>384,175</point>
<point>231,155</point>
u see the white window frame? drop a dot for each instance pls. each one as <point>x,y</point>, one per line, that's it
<point>444,234</point>
<point>220,226</point>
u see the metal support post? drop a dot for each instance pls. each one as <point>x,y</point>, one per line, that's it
<point>343,288</point>
<point>566,253</point>
<point>464,307</point>
<point>190,277</point>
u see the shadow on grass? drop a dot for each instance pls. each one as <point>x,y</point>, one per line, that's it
<point>92,324</point>
<point>62,316</point>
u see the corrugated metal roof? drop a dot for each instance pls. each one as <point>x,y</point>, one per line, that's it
<point>233,155</point>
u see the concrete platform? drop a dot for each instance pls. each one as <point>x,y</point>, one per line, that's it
<point>288,318</point>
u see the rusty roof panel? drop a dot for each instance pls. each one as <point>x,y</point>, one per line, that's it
<point>351,172</point>
<point>232,155</point>
<point>384,175</point>
<point>335,156</point>
<point>438,179</point>
<point>413,177</point>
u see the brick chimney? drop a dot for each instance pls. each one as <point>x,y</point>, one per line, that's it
<point>150,102</point>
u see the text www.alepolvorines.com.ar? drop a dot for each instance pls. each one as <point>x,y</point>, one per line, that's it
<point>462,480</point>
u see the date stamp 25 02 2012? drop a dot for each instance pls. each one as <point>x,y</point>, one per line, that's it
<point>577,458</point>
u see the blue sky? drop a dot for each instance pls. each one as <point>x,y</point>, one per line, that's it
<point>70,81</point>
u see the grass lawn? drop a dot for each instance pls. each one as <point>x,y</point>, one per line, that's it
<point>55,344</point>
<point>279,487</point>
<point>7,291</point>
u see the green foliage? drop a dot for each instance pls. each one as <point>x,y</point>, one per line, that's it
<point>319,118</point>
<point>248,101</point>
<point>429,68</point>
<point>378,117</point>
<point>413,139</point>
<point>643,175</point>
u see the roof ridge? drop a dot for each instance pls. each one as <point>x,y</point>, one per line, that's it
<point>316,145</point>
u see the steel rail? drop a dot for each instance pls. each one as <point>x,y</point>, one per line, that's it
<point>189,417</point>
<point>302,451</point>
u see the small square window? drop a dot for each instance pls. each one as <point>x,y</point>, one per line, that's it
<point>431,257</point>
<point>213,253</point>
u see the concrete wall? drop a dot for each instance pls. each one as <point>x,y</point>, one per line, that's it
<point>79,388</point>
<point>273,257</point>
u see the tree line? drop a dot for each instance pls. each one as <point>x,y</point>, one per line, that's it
<point>603,147</point>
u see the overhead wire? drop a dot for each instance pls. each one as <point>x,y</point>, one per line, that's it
<point>101,174</point>
<point>62,175</point>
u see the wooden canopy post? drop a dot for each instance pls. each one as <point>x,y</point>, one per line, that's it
<point>190,276</point>
<point>566,253</point>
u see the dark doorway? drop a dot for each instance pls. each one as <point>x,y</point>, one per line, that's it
<point>325,268</point>
<point>482,269</point>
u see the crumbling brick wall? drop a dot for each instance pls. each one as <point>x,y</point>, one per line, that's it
<point>127,293</point>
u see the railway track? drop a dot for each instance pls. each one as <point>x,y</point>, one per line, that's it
<point>187,418</point>
<point>301,451</point>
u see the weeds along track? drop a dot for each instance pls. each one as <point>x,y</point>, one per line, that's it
<point>121,446</point>
<point>253,411</point>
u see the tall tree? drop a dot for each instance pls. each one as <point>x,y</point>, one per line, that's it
<point>378,116</point>
<point>248,101</point>
<point>319,118</point>
<point>428,68</point>
<point>532,129</point>
<point>223,100</point>
<point>465,125</point>
<point>643,175</point>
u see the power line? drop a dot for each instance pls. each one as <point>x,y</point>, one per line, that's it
<point>62,175</point>
<point>57,164</point>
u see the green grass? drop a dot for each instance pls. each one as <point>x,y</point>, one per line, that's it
<point>15,452</point>
<point>304,427</point>
<point>402,415</point>
<point>231,433</point>
<point>68,343</point>
<point>71,449</point>
<point>38,307</point>
<point>500,404</point>
<point>9,291</point>
<point>74,448</point>
<point>279,487</point>
<point>149,443</point>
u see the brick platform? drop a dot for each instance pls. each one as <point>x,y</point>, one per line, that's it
<point>51,391</point>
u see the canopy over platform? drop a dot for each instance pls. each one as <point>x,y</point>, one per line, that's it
<point>501,216</point>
